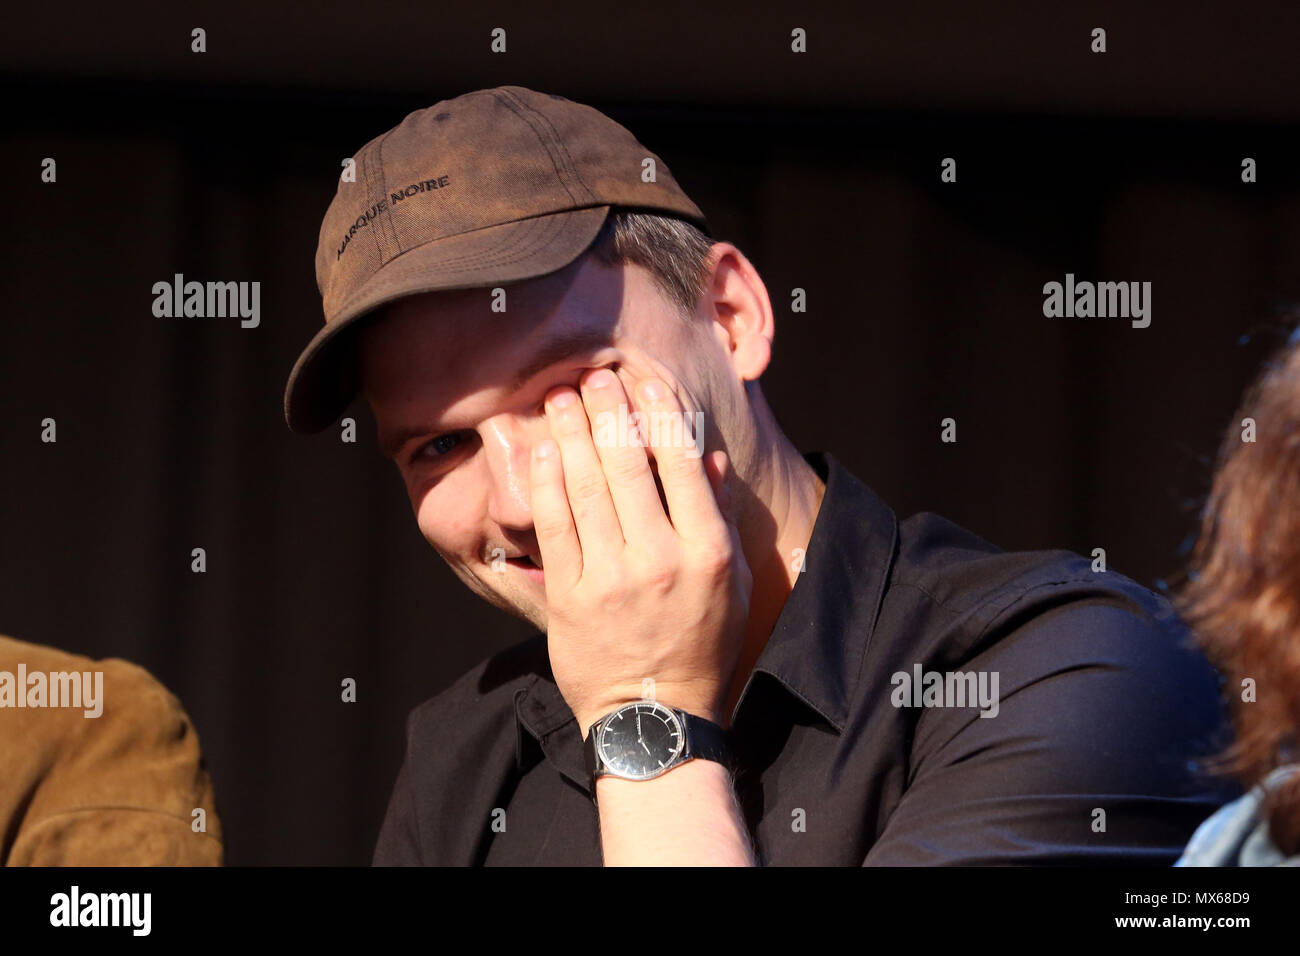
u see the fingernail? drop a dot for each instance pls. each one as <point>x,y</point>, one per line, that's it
<point>652,390</point>
<point>600,378</point>
<point>563,399</point>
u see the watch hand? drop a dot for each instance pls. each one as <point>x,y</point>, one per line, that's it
<point>647,749</point>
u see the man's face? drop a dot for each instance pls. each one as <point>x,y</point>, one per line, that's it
<point>457,391</point>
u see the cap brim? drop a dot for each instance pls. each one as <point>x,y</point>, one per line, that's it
<point>324,380</point>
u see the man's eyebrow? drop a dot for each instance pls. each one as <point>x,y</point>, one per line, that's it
<point>563,346</point>
<point>557,349</point>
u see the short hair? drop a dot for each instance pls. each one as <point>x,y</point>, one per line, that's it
<point>1243,599</point>
<point>675,252</point>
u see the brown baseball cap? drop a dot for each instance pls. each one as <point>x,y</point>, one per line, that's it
<point>492,187</point>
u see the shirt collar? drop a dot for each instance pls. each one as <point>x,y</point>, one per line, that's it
<point>816,647</point>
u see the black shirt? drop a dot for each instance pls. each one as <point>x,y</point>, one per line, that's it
<point>1090,755</point>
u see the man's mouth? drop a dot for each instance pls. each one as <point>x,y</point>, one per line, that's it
<point>526,561</point>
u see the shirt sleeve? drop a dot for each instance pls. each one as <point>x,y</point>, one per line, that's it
<point>1090,757</point>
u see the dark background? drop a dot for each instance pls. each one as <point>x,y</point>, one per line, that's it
<point>925,301</point>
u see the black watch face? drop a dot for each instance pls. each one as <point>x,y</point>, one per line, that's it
<point>641,740</point>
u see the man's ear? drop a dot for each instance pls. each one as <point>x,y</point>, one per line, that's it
<point>741,312</point>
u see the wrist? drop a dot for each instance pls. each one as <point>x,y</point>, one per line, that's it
<point>707,709</point>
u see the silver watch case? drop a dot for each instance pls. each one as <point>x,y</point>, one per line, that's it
<point>619,756</point>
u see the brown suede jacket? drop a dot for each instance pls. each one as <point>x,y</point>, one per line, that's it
<point>119,789</point>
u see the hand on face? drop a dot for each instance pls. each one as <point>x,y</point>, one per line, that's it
<point>635,592</point>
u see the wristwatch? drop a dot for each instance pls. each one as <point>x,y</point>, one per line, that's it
<point>644,739</point>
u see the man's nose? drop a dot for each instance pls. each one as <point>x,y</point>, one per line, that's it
<point>507,446</point>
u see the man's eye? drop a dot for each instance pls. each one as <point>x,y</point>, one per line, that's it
<point>437,448</point>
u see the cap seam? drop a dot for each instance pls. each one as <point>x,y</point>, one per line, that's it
<point>465,260</point>
<point>519,248</point>
<point>370,191</point>
<point>563,176</point>
<point>493,225</point>
<point>389,262</point>
<point>563,147</point>
<point>517,242</point>
<point>533,239</point>
<point>383,195</point>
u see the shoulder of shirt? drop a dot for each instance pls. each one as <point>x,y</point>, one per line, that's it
<point>966,576</point>
<point>484,696</point>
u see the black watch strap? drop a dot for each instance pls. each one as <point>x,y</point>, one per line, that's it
<point>705,739</point>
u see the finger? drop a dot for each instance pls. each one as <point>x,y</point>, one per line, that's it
<point>552,521</point>
<point>599,532</point>
<point>692,507</point>
<point>619,444</point>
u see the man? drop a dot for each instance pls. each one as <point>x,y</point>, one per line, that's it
<point>745,658</point>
